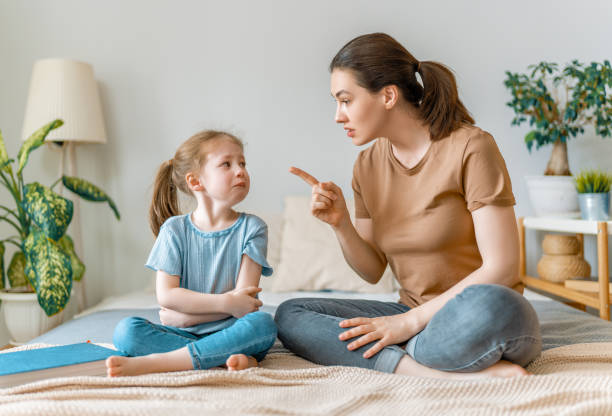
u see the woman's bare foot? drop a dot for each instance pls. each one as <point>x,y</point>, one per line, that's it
<point>503,369</point>
<point>408,366</point>
<point>178,360</point>
<point>240,362</point>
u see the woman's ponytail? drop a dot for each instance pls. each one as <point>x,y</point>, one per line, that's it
<point>440,106</point>
<point>165,201</point>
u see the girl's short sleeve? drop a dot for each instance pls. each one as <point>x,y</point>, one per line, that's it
<point>485,177</point>
<point>256,245</point>
<point>166,253</point>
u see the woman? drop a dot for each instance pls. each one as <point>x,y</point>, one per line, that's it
<point>433,199</point>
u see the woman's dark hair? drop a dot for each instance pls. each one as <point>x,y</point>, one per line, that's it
<point>377,60</point>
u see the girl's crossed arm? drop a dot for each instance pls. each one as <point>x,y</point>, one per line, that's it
<point>183,307</point>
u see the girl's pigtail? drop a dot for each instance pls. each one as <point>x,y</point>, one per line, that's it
<point>165,201</point>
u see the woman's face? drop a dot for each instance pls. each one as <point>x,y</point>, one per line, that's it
<point>361,112</point>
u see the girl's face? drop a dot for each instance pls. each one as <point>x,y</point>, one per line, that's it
<point>361,112</point>
<point>224,174</point>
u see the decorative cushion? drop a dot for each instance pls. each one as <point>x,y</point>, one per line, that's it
<point>311,257</point>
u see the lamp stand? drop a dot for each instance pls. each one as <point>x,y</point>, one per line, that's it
<point>69,148</point>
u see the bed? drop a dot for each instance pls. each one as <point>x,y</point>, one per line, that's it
<point>572,376</point>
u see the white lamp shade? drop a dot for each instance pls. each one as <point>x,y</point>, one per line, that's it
<point>65,89</point>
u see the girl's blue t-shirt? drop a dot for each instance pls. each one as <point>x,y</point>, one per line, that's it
<point>209,262</point>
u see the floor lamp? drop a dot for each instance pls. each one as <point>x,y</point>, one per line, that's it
<point>66,89</point>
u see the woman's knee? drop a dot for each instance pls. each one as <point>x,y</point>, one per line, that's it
<point>127,332</point>
<point>287,312</point>
<point>501,309</point>
<point>482,321</point>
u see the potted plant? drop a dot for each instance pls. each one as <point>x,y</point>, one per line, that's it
<point>558,104</point>
<point>593,188</point>
<point>44,263</point>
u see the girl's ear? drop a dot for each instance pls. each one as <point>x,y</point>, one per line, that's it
<point>193,182</point>
<point>390,96</point>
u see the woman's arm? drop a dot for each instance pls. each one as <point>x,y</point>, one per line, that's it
<point>497,239</point>
<point>359,249</point>
<point>241,300</point>
<point>328,205</point>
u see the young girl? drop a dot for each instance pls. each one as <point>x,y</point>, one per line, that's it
<point>208,266</point>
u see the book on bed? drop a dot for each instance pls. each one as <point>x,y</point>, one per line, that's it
<point>83,359</point>
<point>584,284</point>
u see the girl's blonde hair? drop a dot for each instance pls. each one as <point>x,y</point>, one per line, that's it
<point>189,158</point>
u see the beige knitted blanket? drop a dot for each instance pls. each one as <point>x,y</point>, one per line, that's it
<point>574,380</point>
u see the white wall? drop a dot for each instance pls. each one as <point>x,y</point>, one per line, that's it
<point>259,68</point>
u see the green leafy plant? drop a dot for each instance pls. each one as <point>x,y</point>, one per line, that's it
<point>593,181</point>
<point>45,257</point>
<point>559,103</point>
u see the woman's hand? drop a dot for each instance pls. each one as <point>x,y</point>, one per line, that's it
<point>389,330</point>
<point>240,302</point>
<point>327,203</point>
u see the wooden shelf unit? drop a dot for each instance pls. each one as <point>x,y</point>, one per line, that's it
<point>602,229</point>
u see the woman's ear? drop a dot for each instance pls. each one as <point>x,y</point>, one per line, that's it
<point>390,96</point>
<point>193,182</point>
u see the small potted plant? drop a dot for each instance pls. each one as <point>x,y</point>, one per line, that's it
<point>558,103</point>
<point>44,264</point>
<point>593,188</point>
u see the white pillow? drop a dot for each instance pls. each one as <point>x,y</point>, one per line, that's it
<point>311,257</point>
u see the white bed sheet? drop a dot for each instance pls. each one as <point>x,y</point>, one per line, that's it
<point>145,299</point>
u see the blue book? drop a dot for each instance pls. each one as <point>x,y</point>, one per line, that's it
<point>83,359</point>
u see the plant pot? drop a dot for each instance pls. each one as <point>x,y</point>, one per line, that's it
<point>560,267</point>
<point>24,317</point>
<point>553,196</point>
<point>595,206</point>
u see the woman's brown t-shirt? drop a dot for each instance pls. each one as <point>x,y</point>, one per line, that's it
<point>421,216</point>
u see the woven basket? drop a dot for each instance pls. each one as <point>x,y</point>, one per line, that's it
<point>560,244</point>
<point>558,268</point>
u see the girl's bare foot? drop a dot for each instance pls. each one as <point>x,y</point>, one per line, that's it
<point>240,362</point>
<point>178,360</point>
<point>118,366</point>
<point>408,366</point>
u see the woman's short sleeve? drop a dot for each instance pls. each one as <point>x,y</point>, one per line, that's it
<point>256,245</point>
<point>361,211</point>
<point>485,177</point>
<point>166,253</point>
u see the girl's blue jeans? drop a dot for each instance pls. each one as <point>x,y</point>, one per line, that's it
<point>253,335</point>
<point>474,330</point>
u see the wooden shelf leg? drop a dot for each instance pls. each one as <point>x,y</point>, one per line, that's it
<point>522,261</point>
<point>602,270</point>
<point>580,238</point>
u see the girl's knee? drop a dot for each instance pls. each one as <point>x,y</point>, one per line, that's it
<point>262,322</point>
<point>126,332</point>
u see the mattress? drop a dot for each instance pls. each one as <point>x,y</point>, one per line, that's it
<point>561,325</point>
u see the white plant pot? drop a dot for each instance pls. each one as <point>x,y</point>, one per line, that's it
<point>24,317</point>
<point>553,196</point>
